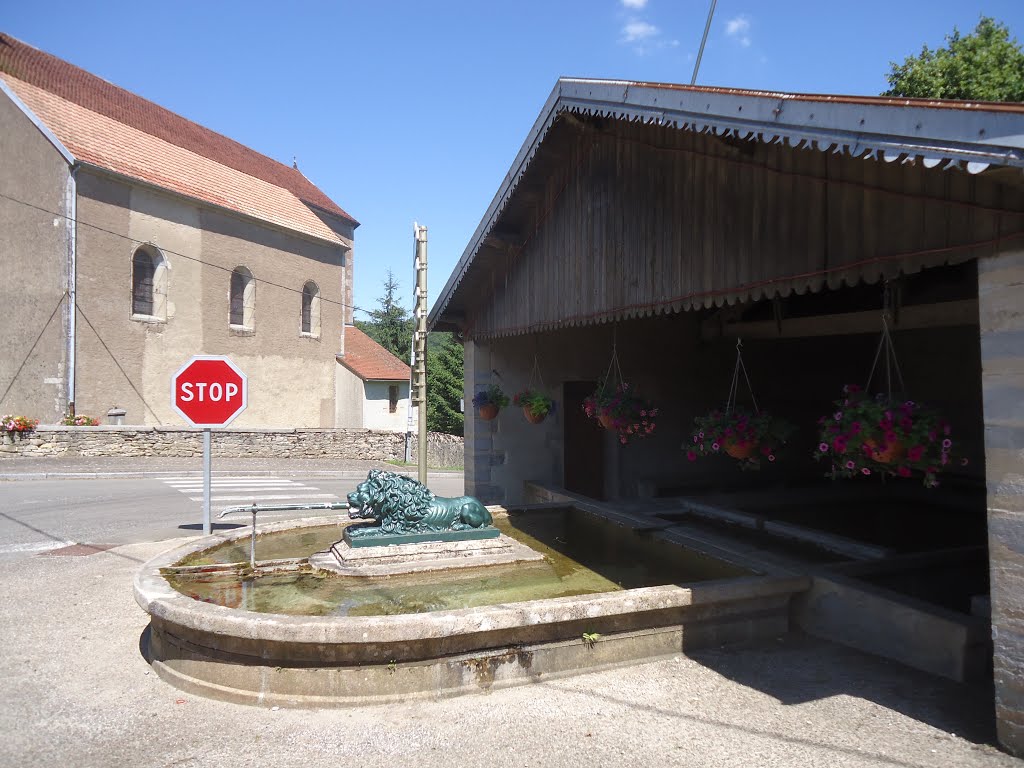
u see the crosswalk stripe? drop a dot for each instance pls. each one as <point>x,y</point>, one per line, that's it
<point>183,484</point>
<point>255,488</point>
<point>34,547</point>
<point>193,478</point>
<point>267,497</point>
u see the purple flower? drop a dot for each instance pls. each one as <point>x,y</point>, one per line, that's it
<point>850,465</point>
<point>865,471</point>
<point>838,415</point>
<point>823,447</point>
<point>947,443</point>
<point>714,446</point>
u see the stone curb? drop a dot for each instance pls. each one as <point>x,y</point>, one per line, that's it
<point>100,475</point>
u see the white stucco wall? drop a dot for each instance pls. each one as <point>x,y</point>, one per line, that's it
<point>376,406</point>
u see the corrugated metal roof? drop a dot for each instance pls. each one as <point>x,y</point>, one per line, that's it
<point>941,134</point>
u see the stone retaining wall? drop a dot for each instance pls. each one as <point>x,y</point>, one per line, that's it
<point>363,444</point>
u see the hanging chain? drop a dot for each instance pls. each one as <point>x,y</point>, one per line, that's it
<point>886,346</point>
<point>734,386</point>
<point>613,366</point>
<point>535,375</point>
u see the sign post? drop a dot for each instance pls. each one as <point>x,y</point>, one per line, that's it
<point>209,391</point>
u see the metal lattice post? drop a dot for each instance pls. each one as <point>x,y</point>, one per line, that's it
<point>420,336</point>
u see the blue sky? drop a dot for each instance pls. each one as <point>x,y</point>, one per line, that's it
<point>412,111</point>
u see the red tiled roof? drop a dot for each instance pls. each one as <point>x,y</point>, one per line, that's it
<point>100,123</point>
<point>369,360</point>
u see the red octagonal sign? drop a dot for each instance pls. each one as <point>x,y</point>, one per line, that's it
<point>209,391</point>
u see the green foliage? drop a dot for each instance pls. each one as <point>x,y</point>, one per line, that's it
<point>444,384</point>
<point>986,65</point>
<point>590,638</point>
<point>537,402</point>
<point>390,325</point>
<point>493,395</point>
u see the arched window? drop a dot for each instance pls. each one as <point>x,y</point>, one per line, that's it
<point>243,297</point>
<point>149,283</point>
<point>311,309</point>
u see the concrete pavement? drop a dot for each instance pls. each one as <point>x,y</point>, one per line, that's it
<point>76,690</point>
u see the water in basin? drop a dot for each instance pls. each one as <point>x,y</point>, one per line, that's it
<point>584,554</point>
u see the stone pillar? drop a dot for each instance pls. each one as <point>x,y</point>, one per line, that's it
<point>1001,317</point>
<point>479,434</point>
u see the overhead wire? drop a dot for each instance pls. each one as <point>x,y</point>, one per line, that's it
<point>195,259</point>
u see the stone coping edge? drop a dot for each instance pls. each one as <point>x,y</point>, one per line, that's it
<point>155,596</point>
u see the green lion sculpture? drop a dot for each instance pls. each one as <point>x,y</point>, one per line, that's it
<point>402,506</point>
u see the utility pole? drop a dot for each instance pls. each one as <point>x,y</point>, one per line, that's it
<point>419,370</point>
<point>700,53</point>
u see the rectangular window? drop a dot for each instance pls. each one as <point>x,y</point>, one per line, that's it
<point>393,398</point>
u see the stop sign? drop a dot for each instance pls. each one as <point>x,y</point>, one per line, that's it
<point>209,391</point>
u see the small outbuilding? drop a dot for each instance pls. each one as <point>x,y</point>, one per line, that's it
<point>646,233</point>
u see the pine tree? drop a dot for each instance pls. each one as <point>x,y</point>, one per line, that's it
<point>390,325</point>
<point>444,384</point>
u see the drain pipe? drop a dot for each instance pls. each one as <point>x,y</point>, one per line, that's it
<point>255,508</point>
<point>71,202</point>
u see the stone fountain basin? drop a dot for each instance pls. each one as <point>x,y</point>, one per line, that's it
<point>272,659</point>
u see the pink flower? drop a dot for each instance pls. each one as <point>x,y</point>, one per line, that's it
<point>865,471</point>
<point>715,446</point>
<point>838,415</point>
<point>771,457</point>
<point>947,443</point>
<point>850,465</point>
<point>963,462</point>
<point>691,455</point>
<point>643,413</point>
<point>915,452</point>
<point>902,471</point>
<point>855,428</point>
<point>622,440</point>
<point>839,444</point>
<point>823,447</point>
<point>906,424</point>
<point>695,438</point>
<point>890,437</point>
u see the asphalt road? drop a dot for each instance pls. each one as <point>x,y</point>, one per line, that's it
<point>44,515</point>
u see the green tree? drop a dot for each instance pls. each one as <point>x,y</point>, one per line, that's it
<point>444,384</point>
<point>390,325</point>
<point>986,65</point>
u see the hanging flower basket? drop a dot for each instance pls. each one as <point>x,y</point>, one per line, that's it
<point>489,401</point>
<point>741,434</point>
<point>620,410</point>
<point>536,405</point>
<point>867,435</point>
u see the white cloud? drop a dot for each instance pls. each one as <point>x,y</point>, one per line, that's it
<point>636,5</point>
<point>637,31</point>
<point>739,30</point>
